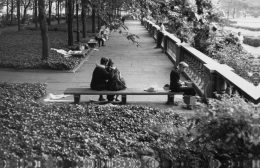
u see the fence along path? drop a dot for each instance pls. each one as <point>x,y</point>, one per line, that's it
<point>208,75</point>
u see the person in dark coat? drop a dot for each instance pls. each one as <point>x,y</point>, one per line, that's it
<point>176,85</point>
<point>123,20</point>
<point>100,77</point>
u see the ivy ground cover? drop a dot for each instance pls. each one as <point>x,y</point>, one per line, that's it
<point>29,128</point>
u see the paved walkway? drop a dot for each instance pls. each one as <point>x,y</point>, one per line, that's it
<point>141,67</point>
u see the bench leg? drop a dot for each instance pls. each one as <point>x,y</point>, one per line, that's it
<point>123,99</point>
<point>190,101</point>
<point>170,99</point>
<point>76,99</point>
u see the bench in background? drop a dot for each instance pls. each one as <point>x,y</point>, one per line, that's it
<point>77,92</point>
<point>92,43</point>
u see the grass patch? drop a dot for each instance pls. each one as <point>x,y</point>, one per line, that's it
<point>22,50</point>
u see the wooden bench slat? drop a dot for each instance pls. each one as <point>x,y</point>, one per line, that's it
<point>128,91</point>
<point>77,92</point>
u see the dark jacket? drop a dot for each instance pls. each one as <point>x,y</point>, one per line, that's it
<point>115,82</point>
<point>99,79</point>
<point>175,80</point>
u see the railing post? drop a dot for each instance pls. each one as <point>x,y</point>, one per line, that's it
<point>208,80</point>
<point>178,53</point>
<point>165,38</point>
<point>155,34</point>
<point>223,86</point>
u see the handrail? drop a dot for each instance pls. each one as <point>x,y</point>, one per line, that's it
<point>208,75</point>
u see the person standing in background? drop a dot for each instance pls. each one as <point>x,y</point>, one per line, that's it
<point>240,38</point>
<point>160,35</point>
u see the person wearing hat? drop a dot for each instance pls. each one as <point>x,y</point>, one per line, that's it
<point>176,85</point>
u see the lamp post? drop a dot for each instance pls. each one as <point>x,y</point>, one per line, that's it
<point>77,14</point>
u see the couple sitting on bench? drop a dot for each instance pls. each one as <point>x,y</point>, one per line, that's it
<point>107,77</point>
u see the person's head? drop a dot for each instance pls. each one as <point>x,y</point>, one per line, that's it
<point>104,61</point>
<point>182,66</point>
<point>110,63</point>
<point>239,33</point>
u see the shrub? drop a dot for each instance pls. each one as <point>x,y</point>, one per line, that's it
<point>59,62</point>
<point>22,90</point>
<point>227,51</point>
<point>225,128</point>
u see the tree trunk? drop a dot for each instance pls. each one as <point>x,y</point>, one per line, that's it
<point>83,18</point>
<point>44,30</point>
<point>25,7</point>
<point>58,11</point>
<point>12,10</point>
<point>77,14</point>
<point>93,20</point>
<point>36,13</point>
<point>98,17</point>
<point>70,22</point>
<point>66,10</point>
<point>24,14</point>
<point>18,14</point>
<point>98,21</point>
<point>7,9</point>
<point>50,6</point>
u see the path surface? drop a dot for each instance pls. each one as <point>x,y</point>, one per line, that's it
<point>141,67</point>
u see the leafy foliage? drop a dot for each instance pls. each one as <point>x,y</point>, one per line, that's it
<point>228,51</point>
<point>30,128</point>
<point>225,128</point>
<point>192,23</point>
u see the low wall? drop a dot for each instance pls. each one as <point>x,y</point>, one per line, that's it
<point>208,75</point>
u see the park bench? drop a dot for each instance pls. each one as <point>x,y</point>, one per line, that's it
<point>77,92</point>
<point>92,43</point>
